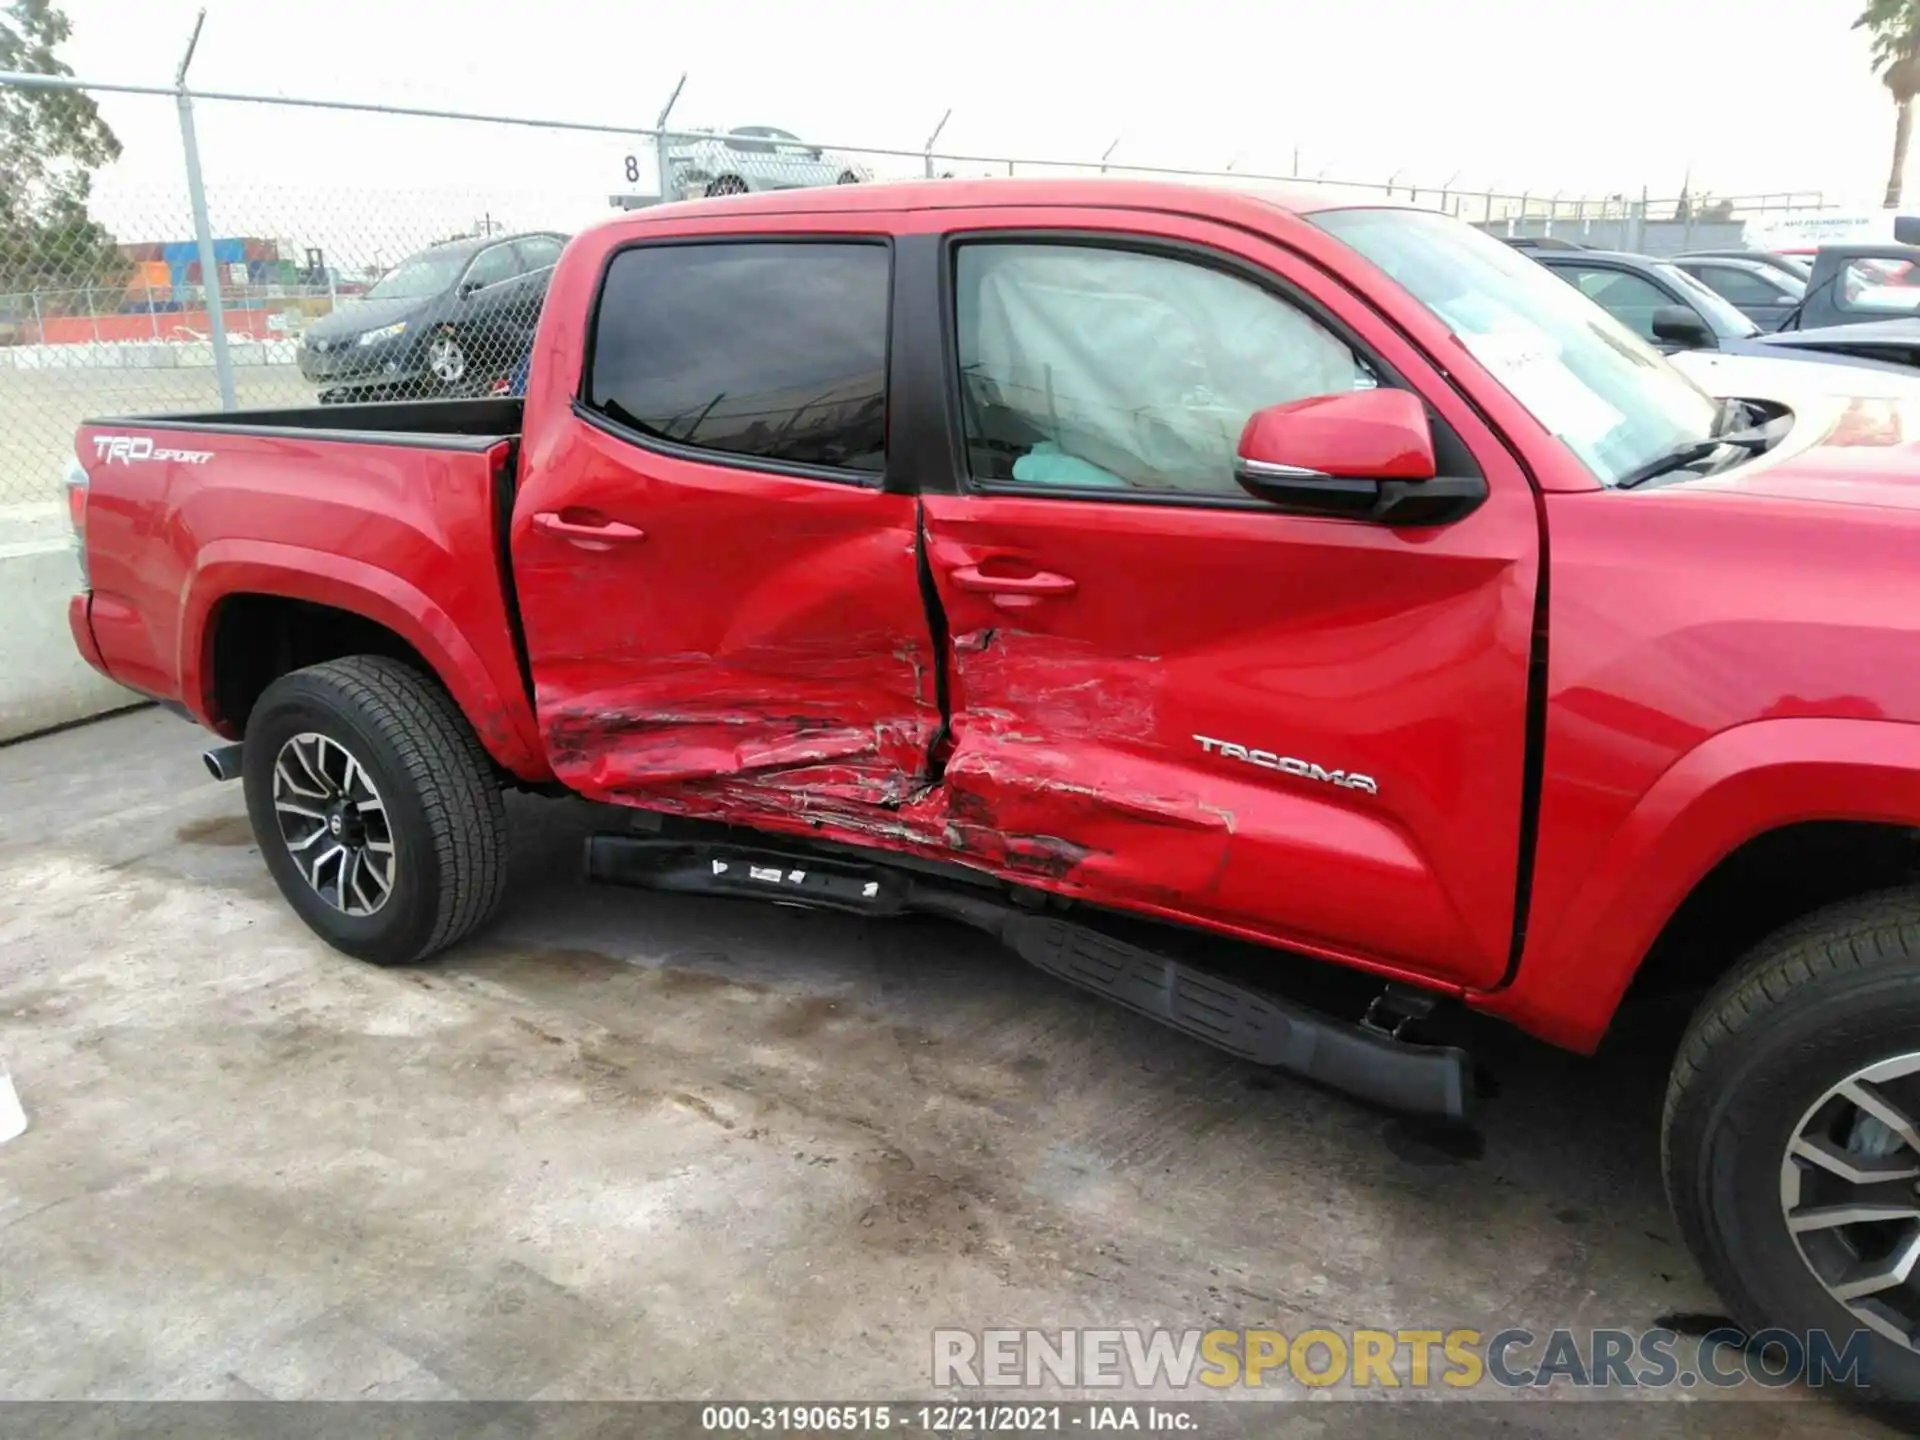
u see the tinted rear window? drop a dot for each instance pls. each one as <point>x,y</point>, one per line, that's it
<point>770,349</point>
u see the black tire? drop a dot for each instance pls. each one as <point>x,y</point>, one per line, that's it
<point>1813,1005</point>
<point>726,185</point>
<point>440,799</point>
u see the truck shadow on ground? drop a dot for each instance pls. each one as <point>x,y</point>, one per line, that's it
<point>1569,1142</point>
<point>945,1064</point>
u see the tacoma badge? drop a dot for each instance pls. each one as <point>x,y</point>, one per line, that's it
<point>1287,765</point>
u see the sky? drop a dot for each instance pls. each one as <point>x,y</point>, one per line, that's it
<point>1729,96</point>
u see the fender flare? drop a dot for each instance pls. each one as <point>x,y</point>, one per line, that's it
<point>1733,787</point>
<point>494,705</point>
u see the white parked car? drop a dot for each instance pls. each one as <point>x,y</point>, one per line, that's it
<point>756,157</point>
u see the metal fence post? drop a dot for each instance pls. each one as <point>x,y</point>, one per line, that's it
<point>928,152</point>
<point>203,228</point>
<point>662,142</point>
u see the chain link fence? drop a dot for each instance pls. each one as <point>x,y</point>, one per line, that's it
<point>401,267</point>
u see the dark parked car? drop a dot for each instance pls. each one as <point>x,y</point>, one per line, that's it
<point>1655,299</point>
<point>1667,307</point>
<point>443,322</point>
<point>1798,266</point>
<point>1759,291</point>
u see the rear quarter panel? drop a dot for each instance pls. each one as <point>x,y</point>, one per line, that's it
<point>401,533</point>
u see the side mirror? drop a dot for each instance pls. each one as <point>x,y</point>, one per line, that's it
<point>1358,455</point>
<point>1683,326</point>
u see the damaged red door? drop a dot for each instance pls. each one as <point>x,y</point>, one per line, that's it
<point>1171,696</point>
<point>721,603</point>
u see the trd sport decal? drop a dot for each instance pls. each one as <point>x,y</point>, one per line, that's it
<point>130,449</point>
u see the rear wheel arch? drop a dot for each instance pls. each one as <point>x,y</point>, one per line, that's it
<point>236,641</point>
<point>252,638</point>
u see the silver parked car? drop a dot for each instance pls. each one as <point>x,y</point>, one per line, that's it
<point>756,157</point>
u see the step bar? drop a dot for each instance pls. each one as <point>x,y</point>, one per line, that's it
<point>1357,1059</point>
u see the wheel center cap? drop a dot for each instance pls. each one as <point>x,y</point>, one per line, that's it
<point>335,825</point>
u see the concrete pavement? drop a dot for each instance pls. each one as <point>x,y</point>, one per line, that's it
<point>634,1145</point>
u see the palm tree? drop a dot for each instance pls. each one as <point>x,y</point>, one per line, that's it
<point>1895,28</point>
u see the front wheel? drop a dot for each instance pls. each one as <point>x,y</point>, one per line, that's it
<point>446,359</point>
<point>1791,1138</point>
<point>375,807</point>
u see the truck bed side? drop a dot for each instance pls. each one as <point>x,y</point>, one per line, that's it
<point>208,537</point>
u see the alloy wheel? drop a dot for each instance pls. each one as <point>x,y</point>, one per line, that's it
<point>334,823</point>
<point>1850,1192</point>
<point>446,359</point>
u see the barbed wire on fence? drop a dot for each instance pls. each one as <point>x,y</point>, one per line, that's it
<point>215,294</point>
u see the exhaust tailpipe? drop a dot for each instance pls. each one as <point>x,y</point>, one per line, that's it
<point>223,762</point>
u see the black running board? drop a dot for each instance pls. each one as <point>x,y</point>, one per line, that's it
<point>1435,1081</point>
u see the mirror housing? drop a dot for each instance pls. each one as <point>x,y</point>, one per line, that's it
<point>1680,325</point>
<point>1358,455</point>
<point>1358,435</point>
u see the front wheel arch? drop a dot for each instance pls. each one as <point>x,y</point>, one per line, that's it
<point>1587,940</point>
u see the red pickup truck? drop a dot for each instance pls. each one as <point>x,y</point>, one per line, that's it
<point>1133,571</point>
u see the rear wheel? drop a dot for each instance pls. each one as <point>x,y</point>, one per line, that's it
<point>1792,1134</point>
<point>376,808</point>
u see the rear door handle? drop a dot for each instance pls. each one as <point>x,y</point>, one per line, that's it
<point>595,534</point>
<point>1039,585</point>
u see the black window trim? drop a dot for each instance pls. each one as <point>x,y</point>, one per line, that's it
<point>730,459</point>
<point>1133,242</point>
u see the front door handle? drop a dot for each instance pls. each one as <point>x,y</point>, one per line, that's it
<point>595,534</point>
<point>1014,591</point>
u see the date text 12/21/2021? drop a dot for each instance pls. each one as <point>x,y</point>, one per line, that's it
<point>951,1418</point>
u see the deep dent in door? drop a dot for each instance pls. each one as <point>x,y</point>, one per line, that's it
<point>1019,770</point>
<point>797,707</point>
<point>758,731</point>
